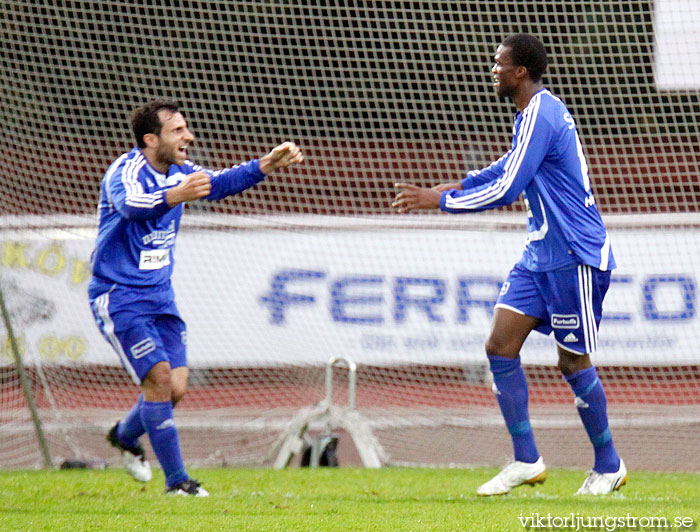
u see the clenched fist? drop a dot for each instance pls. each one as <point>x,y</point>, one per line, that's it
<point>193,187</point>
<point>284,155</point>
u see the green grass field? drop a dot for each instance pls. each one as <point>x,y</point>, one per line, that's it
<point>334,499</point>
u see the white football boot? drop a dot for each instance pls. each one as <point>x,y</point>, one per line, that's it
<point>602,483</point>
<point>514,474</point>
<point>134,458</point>
<point>188,487</point>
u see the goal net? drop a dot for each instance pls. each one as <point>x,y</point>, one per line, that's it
<point>312,263</point>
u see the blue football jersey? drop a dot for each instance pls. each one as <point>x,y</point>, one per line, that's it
<point>547,165</point>
<point>137,228</point>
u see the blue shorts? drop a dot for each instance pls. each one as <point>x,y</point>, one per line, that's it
<point>143,326</point>
<point>568,301</point>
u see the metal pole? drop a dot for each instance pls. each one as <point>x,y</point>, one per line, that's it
<point>24,381</point>
<point>352,379</point>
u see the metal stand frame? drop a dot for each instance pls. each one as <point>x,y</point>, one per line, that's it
<point>294,437</point>
<point>26,385</point>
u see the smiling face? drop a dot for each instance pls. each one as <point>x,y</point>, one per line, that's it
<point>173,141</point>
<point>506,75</point>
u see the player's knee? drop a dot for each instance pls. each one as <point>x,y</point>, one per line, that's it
<point>179,383</point>
<point>491,347</point>
<point>177,394</point>
<point>570,363</point>
<point>565,366</point>
<point>496,347</point>
<point>161,379</point>
<point>158,385</point>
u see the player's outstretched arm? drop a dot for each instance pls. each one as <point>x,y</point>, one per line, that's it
<point>442,187</point>
<point>412,198</point>
<point>192,187</point>
<point>284,155</point>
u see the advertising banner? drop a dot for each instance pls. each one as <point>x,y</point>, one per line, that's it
<point>677,44</point>
<point>390,296</point>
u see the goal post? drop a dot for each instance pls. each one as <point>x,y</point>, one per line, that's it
<point>312,263</point>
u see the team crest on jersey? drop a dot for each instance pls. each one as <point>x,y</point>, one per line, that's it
<point>565,321</point>
<point>143,348</point>
<point>504,288</point>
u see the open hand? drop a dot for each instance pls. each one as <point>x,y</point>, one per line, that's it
<point>413,197</point>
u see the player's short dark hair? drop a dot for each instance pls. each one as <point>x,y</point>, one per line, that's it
<point>144,119</point>
<point>528,51</point>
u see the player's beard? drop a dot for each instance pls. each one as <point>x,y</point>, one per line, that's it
<point>504,92</point>
<point>167,155</point>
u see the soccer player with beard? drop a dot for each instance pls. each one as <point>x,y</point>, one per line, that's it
<point>142,198</point>
<point>560,282</point>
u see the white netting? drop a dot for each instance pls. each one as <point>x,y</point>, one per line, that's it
<point>313,263</point>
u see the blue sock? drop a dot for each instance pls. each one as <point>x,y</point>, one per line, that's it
<point>593,410</point>
<point>158,420</point>
<point>510,388</point>
<point>131,428</point>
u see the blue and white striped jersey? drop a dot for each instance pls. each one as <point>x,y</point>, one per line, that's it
<point>547,165</point>
<point>137,228</point>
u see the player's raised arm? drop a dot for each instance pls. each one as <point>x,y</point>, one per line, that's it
<point>231,181</point>
<point>282,156</point>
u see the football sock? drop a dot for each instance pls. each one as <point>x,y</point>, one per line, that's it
<point>131,428</point>
<point>592,408</point>
<point>159,423</point>
<point>511,391</point>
